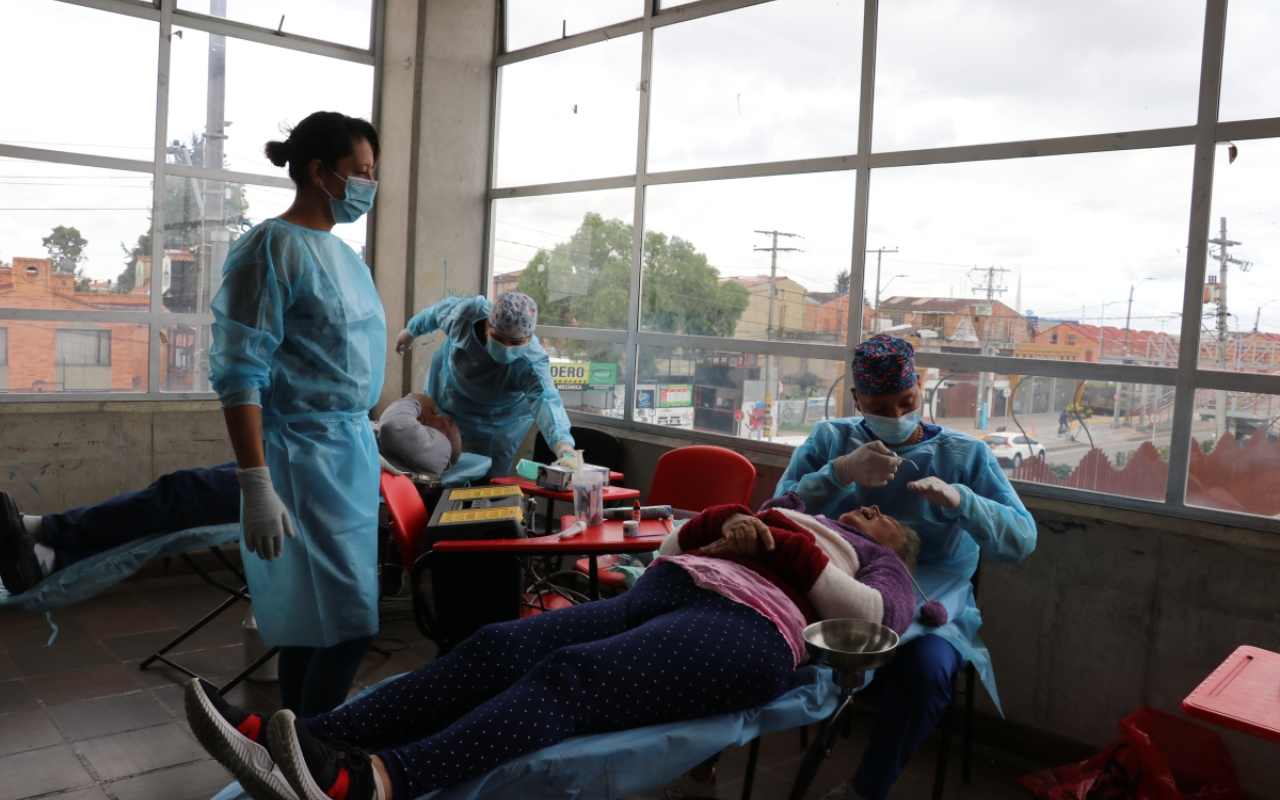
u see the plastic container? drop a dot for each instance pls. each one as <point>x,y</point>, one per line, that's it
<point>588,496</point>
<point>631,527</point>
<point>255,648</point>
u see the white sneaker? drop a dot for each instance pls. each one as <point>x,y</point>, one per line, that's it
<point>843,790</point>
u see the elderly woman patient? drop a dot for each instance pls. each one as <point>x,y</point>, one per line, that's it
<point>713,626</point>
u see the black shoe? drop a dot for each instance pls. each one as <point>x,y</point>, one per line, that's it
<point>237,739</point>
<point>19,566</point>
<point>320,770</point>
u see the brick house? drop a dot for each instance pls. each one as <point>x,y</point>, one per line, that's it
<point>38,356</point>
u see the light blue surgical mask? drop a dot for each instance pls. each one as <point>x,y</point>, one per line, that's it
<point>893,430</point>
<point>356,204</point>
<point>502,353</point>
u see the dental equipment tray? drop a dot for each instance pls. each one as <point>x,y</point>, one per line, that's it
<point>485,512</point>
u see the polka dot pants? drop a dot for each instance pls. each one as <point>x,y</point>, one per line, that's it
<point>662,652</point>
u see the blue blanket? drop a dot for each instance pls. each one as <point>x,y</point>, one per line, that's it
<point>616,765</point>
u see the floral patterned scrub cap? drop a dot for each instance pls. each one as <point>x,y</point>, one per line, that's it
<point>884,365</point>
<point>514,315</point>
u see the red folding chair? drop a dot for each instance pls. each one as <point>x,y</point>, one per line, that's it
<point>690,479</point>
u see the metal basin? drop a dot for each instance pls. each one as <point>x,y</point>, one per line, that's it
<point>850,645</point>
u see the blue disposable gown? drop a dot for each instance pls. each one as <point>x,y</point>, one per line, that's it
<point>991,520</point>
<point>493,404</point>
<point>299,329</point>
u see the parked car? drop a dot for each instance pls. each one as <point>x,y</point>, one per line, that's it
<point>1011,449</point>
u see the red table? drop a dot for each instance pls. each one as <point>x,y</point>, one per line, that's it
<point>595,541</point>
<point>611,493</point>
<point>1243,694</point>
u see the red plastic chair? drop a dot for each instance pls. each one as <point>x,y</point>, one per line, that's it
<point>408,515</point>
<point>691,479</point>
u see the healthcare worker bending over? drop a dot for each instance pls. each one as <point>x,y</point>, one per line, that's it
<point>490,375</point>
<point>950,489</point>
<point>299,343</point>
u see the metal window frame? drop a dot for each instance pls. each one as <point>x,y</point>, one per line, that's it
<point>166,14</point>
<point>1186,378</point>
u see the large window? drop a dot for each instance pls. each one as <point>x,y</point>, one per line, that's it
<point>109,251</point>
<point>720,199</point>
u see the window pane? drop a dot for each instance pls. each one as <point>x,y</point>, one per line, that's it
<point>254,113</point>
<point>570,115</point>
<point>707,266</point>
<point>1241,331</point>
<point>726,392</point>
<point>1250,63</point>
<point>88,217</point>
<point>571,253</point>
<point>772,82</point>
<point>184,365</point>
<point>1055,243</point>
<point>1113,438</point>
<point>591,376</point>
<point>202,219</point>
<point>341,21</point>
<point>71,70</point>
<point>46,356</point>
<point>1234,468</point>
<point>531,22</point>
<point>959,72</point>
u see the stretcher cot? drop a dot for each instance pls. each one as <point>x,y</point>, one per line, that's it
<point>610,766</point>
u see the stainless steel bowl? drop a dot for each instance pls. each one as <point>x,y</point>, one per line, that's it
<point>850,645</point>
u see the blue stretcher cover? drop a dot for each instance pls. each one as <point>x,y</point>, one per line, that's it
<point>91,576</point>
<point>470,467</point>
<point>616,765</point>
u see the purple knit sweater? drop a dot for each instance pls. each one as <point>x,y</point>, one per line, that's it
<point>878,567</point>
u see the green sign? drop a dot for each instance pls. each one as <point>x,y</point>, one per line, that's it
<point>603,375</point>
<point>569,374</point>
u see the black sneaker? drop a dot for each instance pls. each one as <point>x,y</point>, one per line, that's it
<point>19,566</point>
<point>320,770</point>
<point>237,739</point>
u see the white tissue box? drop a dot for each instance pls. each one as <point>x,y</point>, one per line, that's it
<point>559,479</point>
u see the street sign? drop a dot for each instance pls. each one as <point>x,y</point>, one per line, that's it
<point>1005,392</point>
<point>1155,419</point>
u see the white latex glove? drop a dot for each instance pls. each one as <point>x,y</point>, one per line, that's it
<point>873,464</point>
<point>937,491</point>
<point>386,466</point>
<point>743,536</point>
<point>264,517</point>
<point>404,341</point>
<point>565,455</point>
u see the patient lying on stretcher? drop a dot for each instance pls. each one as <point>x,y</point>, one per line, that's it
<point>713,626</point>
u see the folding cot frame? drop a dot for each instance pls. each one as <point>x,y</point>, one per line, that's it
<point>234,596</point>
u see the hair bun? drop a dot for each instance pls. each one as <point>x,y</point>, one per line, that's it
<point>279,153</point>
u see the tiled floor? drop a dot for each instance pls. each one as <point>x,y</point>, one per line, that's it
<point>80,721</point>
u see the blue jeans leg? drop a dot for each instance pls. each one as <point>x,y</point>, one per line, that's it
<point>185,498</point>
<point>917,688</point>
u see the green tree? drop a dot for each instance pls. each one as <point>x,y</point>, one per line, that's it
<point>842,281</point>
<point>585,282</point>
<point>65,244</point>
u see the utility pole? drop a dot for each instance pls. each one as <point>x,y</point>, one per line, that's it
<point>989,286</point>
<point>770,377</point>
<point>1224,259</point>
<point>1124,355</point>
<point>879,251</point>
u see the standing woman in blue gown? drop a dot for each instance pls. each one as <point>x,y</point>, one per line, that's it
<point>299,344</point>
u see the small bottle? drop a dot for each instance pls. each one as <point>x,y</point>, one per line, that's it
<point>635,510</point>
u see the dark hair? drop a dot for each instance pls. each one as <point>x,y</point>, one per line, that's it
<point>326,135</point>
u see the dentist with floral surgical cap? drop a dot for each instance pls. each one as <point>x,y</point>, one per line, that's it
<point>490,375</point>
<point>949,488</point>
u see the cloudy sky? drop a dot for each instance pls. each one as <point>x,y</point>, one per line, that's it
<point>780,81</point>
<point>772,82</point>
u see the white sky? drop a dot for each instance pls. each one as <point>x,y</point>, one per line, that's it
<point>776,81</point>
<point>779,81</point>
